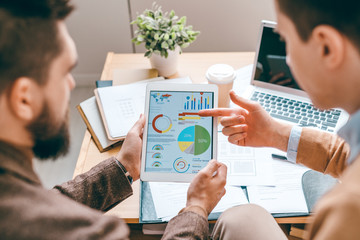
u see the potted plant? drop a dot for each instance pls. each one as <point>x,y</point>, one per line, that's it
<point>164,35</point>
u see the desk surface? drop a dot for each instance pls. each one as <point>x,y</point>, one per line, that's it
<point>190,64</point>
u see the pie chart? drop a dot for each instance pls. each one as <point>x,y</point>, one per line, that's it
<point>194,140</point>
<point>161,123</point>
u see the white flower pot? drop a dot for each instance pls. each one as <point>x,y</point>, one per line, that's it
<point>166,67</point>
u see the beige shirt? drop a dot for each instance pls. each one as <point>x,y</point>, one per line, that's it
<point>337,214</point>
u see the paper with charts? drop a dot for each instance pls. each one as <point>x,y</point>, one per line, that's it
<point>246,166</point>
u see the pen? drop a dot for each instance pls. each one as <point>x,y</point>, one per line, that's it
<point>279,157</point>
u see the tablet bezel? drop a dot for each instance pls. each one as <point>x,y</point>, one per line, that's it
<point>175,177</point>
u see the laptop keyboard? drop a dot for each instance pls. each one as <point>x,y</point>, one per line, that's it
<point>298,112</point>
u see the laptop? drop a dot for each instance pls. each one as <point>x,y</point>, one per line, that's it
<point>274,87</point>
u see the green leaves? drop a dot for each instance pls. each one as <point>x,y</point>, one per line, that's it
<point>164,45</point>
<point>172,14</point>
<point>148,54</point>
<point>156,36</point>
<point>185,45</point>
<point>162,32</point>
<point>140,38</point>
<point>182,21</point>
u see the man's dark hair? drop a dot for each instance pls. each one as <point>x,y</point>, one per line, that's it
<point>343,15</point>
<point>29,38</point>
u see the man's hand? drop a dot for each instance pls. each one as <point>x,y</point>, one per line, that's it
<point>250,125</point>
<point>208,187</point>
<point>130,153</point>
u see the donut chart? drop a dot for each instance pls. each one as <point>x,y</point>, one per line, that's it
<point>180,165</point>
<point>157,155</point>
<point>194,140</point>
<point>161,123</point>
<point>156,164</point>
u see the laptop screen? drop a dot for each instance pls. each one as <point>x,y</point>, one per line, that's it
<point>271,64</point>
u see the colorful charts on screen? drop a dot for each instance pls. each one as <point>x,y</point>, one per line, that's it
<point>181,165</point>
<point>194,140</point>
<point>157,147</point>
<point>161,123</point>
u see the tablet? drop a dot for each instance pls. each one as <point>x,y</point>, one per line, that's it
<point>177,142</point>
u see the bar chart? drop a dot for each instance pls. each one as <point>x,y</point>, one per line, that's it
<point>193,103</point>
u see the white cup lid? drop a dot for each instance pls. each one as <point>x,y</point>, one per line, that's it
<point>220,74</point>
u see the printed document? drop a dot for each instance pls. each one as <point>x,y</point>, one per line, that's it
<point>170,198</point>
<point>287,195</point>
<point>246,166</point>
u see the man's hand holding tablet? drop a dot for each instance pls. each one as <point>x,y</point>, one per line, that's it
<point>206,189</point>
<point>130,154</point>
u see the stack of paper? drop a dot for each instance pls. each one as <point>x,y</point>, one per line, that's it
<point>170,198</point>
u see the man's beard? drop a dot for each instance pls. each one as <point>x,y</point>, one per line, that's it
<point>50,141</point>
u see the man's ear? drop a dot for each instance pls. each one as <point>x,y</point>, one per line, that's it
<point>24,99</point>
<point>331,44</point>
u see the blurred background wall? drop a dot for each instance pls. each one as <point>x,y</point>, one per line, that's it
<point>101,26</point>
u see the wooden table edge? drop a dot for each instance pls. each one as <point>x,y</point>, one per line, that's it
<point>281,220</point>
<point>83,153</point>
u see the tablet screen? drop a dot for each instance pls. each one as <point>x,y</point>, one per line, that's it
<point>178,139</point>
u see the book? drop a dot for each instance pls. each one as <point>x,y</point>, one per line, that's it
<point>103,83</point>
<point>89,110</point>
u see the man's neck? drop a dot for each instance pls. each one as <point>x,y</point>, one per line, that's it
<point>15,135</point>
<point>25,150</point>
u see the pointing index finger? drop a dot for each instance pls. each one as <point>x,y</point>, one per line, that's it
<point>219,112</point>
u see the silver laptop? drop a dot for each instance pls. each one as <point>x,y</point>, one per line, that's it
<point>274,87</point>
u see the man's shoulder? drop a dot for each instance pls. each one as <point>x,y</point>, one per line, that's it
<point>337,213</point>
<point>20,196</point>
<point>30,210</point>
<point>345,196</point>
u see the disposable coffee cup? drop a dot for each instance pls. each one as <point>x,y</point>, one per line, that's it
<point>223,76</point>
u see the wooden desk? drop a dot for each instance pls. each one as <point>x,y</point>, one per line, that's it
<point>190,64</point>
